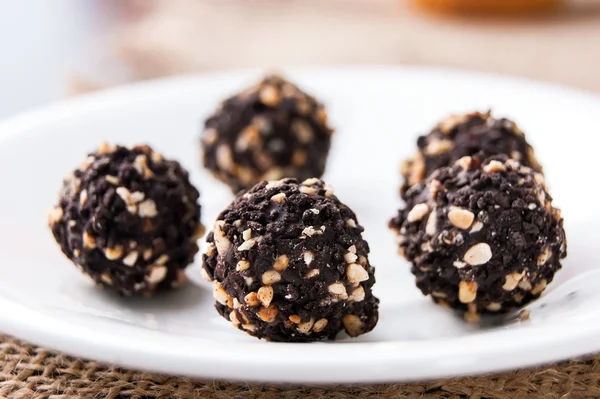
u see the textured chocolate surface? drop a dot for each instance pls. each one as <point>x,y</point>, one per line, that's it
<point>129,219</point>
<point>466,135</point>
<point>288,263</point>
<point>269,131</point>
<point>482,237</point>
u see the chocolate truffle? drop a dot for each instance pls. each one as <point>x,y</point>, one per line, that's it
<point>482,237</point>
<point>288,263</point>
<point>465,135</point>
<point>269,131</point>
<point>129,219</point>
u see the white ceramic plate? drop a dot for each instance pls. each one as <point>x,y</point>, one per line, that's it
<point>378,113</point>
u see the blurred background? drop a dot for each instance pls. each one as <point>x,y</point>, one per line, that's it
<point>60,48</point>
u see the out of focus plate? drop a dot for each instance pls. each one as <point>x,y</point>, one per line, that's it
<point>378,112</point>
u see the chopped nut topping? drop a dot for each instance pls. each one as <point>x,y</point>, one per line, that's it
<point>494,167</point>
<point>310,182</point>
<point>274,184</point>
<point>320,325</point>
<point>310,231</point>
<point>131,258</point>
<point>308,257</point>
<point>539,287</point>
<point>476,227</point>
<point>460,217</point>
<point>295,318</point>
<point>350,257</point>
<point>338,289</point>
<point>312,273</point>
<point>478,254</point>
<point>544,256</point>
<point>281,263</point>
<point>271,277</point>
<point>351,223</point>
<point>242,265</point>
<point>307,190</point>
<point>156,157</point>
<point>299,158</point>
<point>451,122</point>
<point>494,306</point>
<point>417,213</point>
<point>252,299</point>
<point>356,273</point>
<point>436,147</point>
<point>512,280</point>
<point>147,209</point>
<point>106,278</point>
<point>162,259</point>
<point>147,254</point>
<point>464,163</point>
<point>265,295</point>
<point>157,274</point>
<point>303,131</point>
<point>352,248</point>
<point>106,148</point>
<point>458,264</point>
<point>247,234</point>
<point>278,198</point>
<point>268,314</point>
<point>269,96</point>
<point>525,284</point>
<point>233,318</point>
<point>55,215</point>
<point>306,326</point>
<point>113,253</point>
<point>224,157</point>
<point>431,226</point>
<point>221,241</point>
<point>352,325</point>
<point>467,291</point>
<point>358,294</point>
<point>246,245</point>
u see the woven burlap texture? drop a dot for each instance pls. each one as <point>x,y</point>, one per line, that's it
<point>28,371</point>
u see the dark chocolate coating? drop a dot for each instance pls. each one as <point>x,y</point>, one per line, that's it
<point>129,219</point>
<point>466,135</point>
<point>269,131</point>
<point>482,237</point>
<point>288,263</point>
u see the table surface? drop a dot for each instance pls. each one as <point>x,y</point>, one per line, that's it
<point>46,41</point>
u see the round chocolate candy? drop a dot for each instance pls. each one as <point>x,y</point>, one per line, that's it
<point>288,263</point>
<point>482,237</point>
<point>269,131</point>
<point>128,218</point>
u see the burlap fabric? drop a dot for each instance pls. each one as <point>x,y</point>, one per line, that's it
<point>28,371</point>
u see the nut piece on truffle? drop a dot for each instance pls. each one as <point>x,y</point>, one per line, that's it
<point>306,273</point>
<point>269,131</point>
<point>129,219</point>
<point>466,135</point>
<point>490,242</point>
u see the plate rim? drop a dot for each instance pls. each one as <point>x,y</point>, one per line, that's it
<point>21,321</point>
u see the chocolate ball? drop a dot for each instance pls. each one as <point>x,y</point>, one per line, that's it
<point>269,131</point>
<point>483,237</point>
<point>129,219</point>
<point>288,263</point>
<point>466,135</point>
